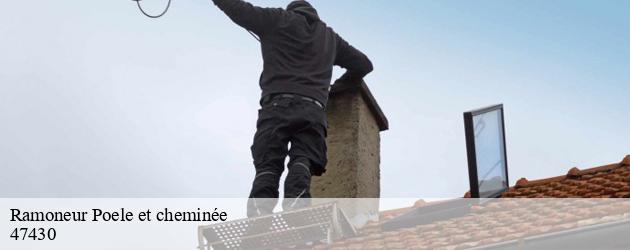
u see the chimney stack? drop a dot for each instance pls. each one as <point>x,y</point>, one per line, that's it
<point>354,124</point>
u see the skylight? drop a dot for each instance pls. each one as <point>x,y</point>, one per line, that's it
<point>487,159</point>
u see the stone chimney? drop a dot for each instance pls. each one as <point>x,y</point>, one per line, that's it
<point>354,124</point>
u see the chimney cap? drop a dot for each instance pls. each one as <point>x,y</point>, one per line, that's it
<point>343,87</point>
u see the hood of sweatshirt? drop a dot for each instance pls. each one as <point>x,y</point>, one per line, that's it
<point>304,8</point>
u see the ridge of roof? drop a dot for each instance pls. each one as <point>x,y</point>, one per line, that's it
<point>572,174</point>
<point>392,213</point>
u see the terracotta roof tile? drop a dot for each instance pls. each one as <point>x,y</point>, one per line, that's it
<point>574,172</point>
<point>521,182</point>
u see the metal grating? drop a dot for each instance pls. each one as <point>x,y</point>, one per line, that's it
<point>282,230</point>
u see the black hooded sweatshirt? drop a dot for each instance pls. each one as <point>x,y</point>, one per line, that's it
<point>298,49</point>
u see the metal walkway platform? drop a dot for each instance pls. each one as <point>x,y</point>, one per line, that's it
<point>292,229</point>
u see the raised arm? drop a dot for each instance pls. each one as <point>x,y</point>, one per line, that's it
<point>254,18</point>
<point>356,63</point>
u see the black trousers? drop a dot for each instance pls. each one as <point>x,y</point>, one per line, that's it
<point>284,120</point>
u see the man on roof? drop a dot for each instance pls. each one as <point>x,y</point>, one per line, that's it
<point>299,51</point>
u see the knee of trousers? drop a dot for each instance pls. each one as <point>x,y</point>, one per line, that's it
<point>315,165</point>
<point>301,168</point>
<point>267,178</point>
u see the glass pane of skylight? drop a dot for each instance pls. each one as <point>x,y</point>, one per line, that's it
<point>490,154</point>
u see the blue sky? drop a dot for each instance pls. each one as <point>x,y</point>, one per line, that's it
<point>97,100</point>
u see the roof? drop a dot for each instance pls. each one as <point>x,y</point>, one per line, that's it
<point>610,181</point>
<point>511,219</point>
